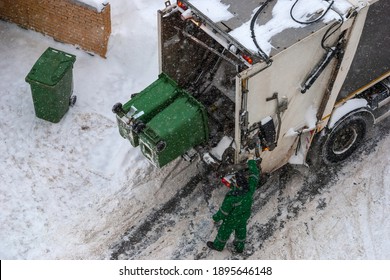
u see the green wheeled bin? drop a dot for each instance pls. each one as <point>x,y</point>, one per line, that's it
<point>133,116</point>
<point>51,82</point>
<point>179,127</point>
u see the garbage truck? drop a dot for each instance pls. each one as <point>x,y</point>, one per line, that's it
<point>292,81</point>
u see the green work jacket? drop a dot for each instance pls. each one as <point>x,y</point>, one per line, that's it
<point>236,208</point>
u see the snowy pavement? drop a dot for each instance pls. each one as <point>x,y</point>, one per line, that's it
<point>334,213</point>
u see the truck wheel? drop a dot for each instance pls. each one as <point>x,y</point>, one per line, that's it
<point>345,138</point>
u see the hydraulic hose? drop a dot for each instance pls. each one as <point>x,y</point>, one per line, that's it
<point>252,26</point>
<point>312,21</point>
<point>330,31</point>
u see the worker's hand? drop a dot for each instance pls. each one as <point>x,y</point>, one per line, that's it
<point>253,157</point>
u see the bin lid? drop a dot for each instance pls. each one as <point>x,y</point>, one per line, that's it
<point>51,67</point>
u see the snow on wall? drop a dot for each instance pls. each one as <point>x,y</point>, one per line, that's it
<point>72,22</point>
<point>97,4</point>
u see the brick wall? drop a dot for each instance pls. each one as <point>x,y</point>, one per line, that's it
<point>67,21</point>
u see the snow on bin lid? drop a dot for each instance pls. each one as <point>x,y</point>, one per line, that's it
<point>51,67</point>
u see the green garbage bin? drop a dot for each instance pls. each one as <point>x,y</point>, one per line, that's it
<point>138,111</point>
<point>51,82</point>
<point>179,127</point>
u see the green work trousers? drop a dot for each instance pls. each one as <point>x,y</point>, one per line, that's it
<point>226,229</point>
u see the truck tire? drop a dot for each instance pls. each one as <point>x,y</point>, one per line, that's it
<point>345,137</point>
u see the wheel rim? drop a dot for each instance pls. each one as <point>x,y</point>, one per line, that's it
<point>344,140</point>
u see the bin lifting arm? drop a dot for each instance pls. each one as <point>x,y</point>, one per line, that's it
<point>320,67</point>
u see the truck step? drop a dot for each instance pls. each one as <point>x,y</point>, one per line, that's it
<point>383,110</point>
<point>382,117</point>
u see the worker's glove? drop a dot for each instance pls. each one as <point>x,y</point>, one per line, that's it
<point>252,156</point>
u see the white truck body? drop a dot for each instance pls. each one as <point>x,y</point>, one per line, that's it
<point>264,78</point>
<point>289,68</point>
<point>261,89</point>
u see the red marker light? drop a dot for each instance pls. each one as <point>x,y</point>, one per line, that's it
<point>225,182</point>
<point>247,58</point>
<point>182,5</point>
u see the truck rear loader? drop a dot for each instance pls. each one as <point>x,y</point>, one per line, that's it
<point>292,81</point>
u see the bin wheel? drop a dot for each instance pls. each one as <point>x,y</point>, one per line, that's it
<point>72,100</point>
<point>160,146</point>
<point>117,108</point>
<point>138,127</point>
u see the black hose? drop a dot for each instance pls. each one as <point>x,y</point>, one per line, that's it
<point>253,21</point>
<point>312,21</point>
<point>328,32</point>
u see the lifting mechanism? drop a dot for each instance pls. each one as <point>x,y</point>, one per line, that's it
<point>235,94</point>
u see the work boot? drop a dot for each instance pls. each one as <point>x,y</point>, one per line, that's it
<point>210,244</point>
<point>239,251</point>
<point>239,248</point>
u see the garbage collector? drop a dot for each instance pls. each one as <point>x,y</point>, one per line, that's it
<point>236,209</point>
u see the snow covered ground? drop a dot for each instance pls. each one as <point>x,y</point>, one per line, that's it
<point>77,190</point>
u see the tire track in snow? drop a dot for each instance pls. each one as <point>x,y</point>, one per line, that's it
<point>138,238</point>
<point>312,185</point>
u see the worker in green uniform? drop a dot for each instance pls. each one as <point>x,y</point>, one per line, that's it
<point>236,209</point>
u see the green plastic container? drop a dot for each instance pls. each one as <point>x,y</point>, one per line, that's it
<point>51,82</point>
<point>145,105</point>
<point>176,129</point>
